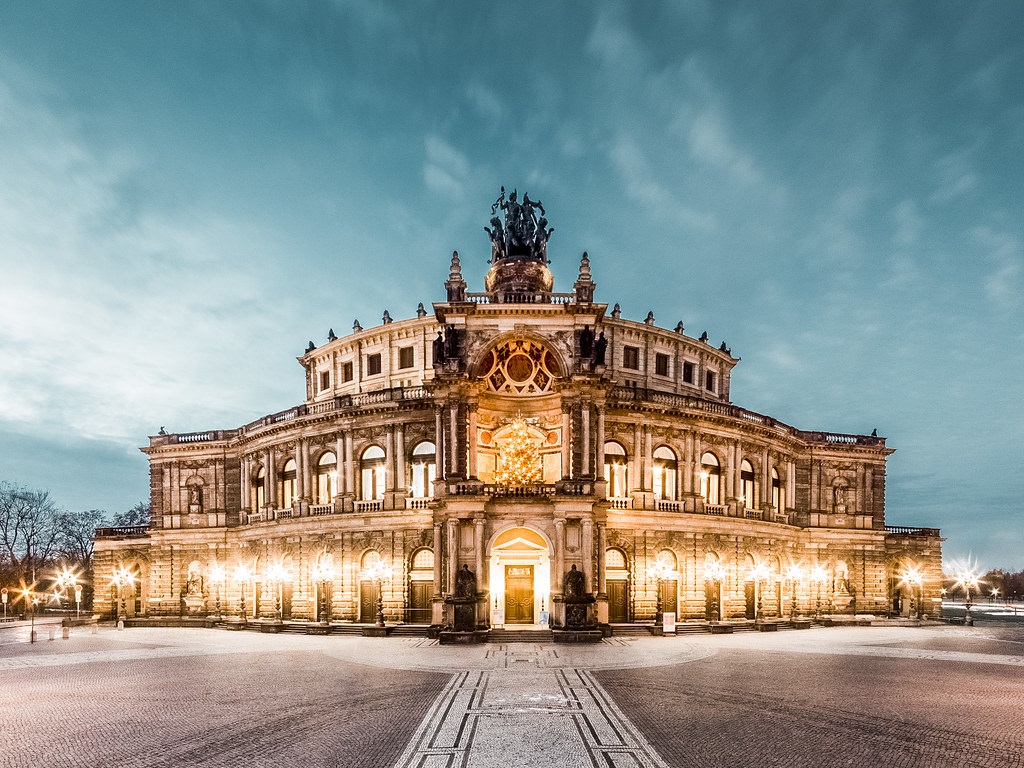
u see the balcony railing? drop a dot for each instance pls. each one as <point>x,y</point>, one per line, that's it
<point>418,503</point>
<point>715,509</point>
<point>317,510</point>
<point>902,530</point>
<point>665,505</point>
<point>620,502</point>
<point>122,532</point>
<point>753,514</point>
<point>369,505</point>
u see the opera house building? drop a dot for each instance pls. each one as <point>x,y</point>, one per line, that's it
<point>516,456</point>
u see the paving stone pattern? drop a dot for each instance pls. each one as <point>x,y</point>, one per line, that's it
<point>930,697</point>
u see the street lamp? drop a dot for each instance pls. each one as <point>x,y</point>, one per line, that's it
<point>659,572</point>
<point>31,600</point>
<point>795,574</point>
<point>378,572</point>
<point>759,573</point>
<point>242,575</point>
<point>714,573</point>
<point>65,579</point>
<point>323,574</point>
<point>123,578</point>
<point>913,577</point>
<point>218,575</point>
<point>277,575</point>
<point>818,576</point>
<point>967,578</point>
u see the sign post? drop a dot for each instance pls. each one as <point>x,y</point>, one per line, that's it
<point>668,623</point>
<point>3,596</point>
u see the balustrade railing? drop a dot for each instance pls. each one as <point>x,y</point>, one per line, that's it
<point>903,530</point>
<point>753,514</point>
<point>369,505</point>
<point>317,510</point>
<point>620,502</point>
<point>666,505</point>
<point>418,503</point>
<point>122,531</point>
<point>714,509</point>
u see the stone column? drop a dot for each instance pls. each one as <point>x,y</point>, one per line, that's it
<point>599,443</point>
<point>648,460</point>
<point>482,577</point>
<point>453,439</point>
<point>556,587</point>
<point>270,481</point>
<point>790,484</point>
<point>472,440</point>
<point>246,483</point>
<point>438,558</point>
<point>585,438</point>
<point>339,459</point>
<point>389,460</point>
<point>350,466</point>
<point>588,555</point>
<point>453,555</point>
<point>300,470</point>
<point>566,442</point>
<point>440,444</point>
<point>602,545</point>
<point>636,461</point>
<point>401,481</point>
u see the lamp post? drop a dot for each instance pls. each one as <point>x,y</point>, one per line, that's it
<point>713,574</point>
<point>760,573</point>
<point>378,573</point>
<point>795,574</point>
<point>912,576</point>
<point>123,578</point>
<point>66,579</point>
<point>659,572</point>
<point>31,600</point>
<point>218,575</point>
<point>242,575</point>
<point>277,575</point>
<point>967,579</point>
<point>323,574</point>
<point>818,577</point>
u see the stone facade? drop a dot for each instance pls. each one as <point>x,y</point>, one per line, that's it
<point>394,476</point>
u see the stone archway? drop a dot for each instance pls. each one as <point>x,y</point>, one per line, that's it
<point>520,576</point>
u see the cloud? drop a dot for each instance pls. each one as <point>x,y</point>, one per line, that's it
<point>710,143</point>
<point>485,102</point>
<point>1005,255</point>
<point>446,171</point>
<point>955,177</point>
<point>642,187</point>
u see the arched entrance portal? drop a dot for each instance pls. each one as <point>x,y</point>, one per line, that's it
<point>520,570</point>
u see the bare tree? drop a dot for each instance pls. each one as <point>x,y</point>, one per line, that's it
<point>29,530</point>
<point>76,534</point>
<point>137,515</point>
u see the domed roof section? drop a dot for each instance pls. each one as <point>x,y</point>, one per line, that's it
<point>519,247</point>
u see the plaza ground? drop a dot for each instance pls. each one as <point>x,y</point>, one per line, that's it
<point>882,696</point>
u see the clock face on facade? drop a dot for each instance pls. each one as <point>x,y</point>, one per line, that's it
<point>519,367</point>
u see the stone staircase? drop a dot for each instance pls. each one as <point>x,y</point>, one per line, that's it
<point>520,636</point>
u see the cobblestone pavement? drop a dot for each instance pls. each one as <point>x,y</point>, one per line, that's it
<point>934,697</point>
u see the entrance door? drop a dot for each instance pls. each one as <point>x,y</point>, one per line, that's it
<point>751,600</point>
<point>519,594</point>
<point>419,601</point>
<point>367,601</point>
<point>669,596</point>
<point>618,601</point>
<point>286,600</point>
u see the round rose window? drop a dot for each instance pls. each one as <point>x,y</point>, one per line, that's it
<point>519,367</point>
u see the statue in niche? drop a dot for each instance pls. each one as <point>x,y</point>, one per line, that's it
<point>439,348</point>
<point>451,343</point>
<point>840,499</point>
<point>465,583</point>
<point>194,584</point>
<point>600,346</point>
<point>195,500</point>
<point>574,583</point>
<point>586,342</point>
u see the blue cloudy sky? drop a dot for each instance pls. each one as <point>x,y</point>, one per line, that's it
<point>189,192</point>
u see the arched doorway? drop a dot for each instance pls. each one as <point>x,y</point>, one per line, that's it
<point>520,571</point>
<point>617,570</point>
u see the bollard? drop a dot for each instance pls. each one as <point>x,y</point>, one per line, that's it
<point>94,629</point>
<point>50,634</point>
<point>65,633</point>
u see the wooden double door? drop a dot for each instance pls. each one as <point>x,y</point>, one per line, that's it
<point>519,594</point>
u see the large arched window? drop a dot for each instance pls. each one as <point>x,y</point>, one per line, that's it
<point>259,489</point>
<point>615,470</point>
<point>288,483</point>
<point>326,478</point>
<point>371,466</point>
<point>776,491</point>
<point>747,484</point>
<point>665,465</point>
<point>710,478</point>
<point>424,470</point>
